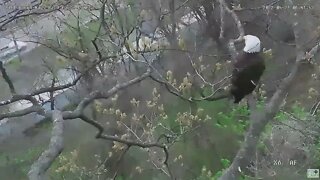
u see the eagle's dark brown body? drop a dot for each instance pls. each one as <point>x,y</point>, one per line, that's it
<point>248,68</point>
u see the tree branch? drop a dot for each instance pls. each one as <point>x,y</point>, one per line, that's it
<point>20,15</point>
<point>99,95</point>
<point>167,86</point>
<point>51,93</point>
<point>20,113</point>
<point>259,119</point>
<point>17,97</point>
<point>129,143</point>
<point>236,19</point>
<point>7,78</point>
<point>39,168</point>
<point>222,18</point>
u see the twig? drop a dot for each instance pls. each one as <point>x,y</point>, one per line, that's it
<point>167,86</point>
<point>99,95</point>
<point>212,97</point>
<point>315,108</point>
<point>270,4</point>
<point>198,72</point>
<point>102,21</point>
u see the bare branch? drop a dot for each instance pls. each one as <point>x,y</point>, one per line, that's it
<point>23,112</point>
<point>222,15</point>
<point>97,48</point>
<point>102,23</point>
<point>51,93</point>
<point>20,15</point>
<point>265,6</point>
<point>99,95</point>
<point>39,168</point>
<point>172,18</point>
<point>214,97</point>
<point>7,78</point>
<point>129,143</point>
<point>68,114</point>
<point>315,108</point>
<point>16,97</point>
<point>50,89</point>
<point>236,19</point>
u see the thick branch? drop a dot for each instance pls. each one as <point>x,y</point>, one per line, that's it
<point>259,120</point>
<point>39,168</point>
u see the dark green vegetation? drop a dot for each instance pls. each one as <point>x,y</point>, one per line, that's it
<point>202,153</point>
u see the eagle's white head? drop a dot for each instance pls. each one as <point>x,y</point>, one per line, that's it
<point>252,44</point>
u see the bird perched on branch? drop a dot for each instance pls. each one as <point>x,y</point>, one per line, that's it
<point>248,67</point>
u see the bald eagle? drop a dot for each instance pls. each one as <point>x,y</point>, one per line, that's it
<point>248,68</point>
